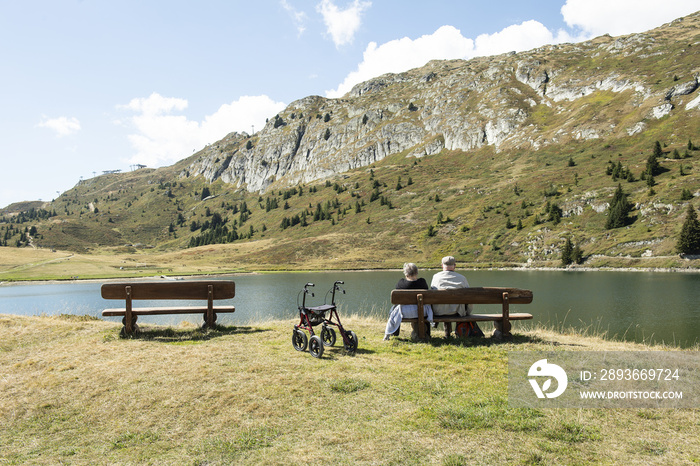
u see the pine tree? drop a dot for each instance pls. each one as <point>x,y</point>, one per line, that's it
<point>555,212</point>
<point>653,167</point>
<point>567,253</point>
<point>577,255</point>
<point>689,238</point>
<point>618,212</point>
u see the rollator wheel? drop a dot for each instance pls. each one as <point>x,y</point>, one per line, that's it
<point>328,336</point>
<point>316,346</point>
<point>205,325</point>
<point>351,345</point>
<point>299,340</point>
<point>134,327</point>
<point>134,318</point>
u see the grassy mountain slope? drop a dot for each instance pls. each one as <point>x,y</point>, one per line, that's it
<point>489,205</point>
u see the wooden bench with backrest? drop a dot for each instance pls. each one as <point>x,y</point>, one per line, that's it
<point>486,295</point>
<point>171,290</point>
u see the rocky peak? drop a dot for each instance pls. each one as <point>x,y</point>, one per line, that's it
<point>512,101</point>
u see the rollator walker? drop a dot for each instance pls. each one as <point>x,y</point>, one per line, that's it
<point>310,317</point>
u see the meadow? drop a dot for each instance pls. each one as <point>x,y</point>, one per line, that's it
<point>76,393</point>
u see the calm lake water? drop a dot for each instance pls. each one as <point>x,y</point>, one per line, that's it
<point>634,306</point>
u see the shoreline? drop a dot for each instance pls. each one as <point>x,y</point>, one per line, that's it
<point>570,269</point>
<point>568,335</point>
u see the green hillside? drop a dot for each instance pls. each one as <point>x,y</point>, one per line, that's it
<point>485,208</point>
<point>512,202</point>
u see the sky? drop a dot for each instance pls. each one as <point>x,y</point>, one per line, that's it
<point>93,85</point>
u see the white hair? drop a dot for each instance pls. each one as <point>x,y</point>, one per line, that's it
<point>410,269</point>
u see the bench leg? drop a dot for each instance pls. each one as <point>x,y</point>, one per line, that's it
<point>210,315</point>
<point>129,318</point>
<point>421,319</point>
<point>503,326</point>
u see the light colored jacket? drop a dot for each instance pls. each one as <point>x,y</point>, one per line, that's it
<point>449,280</point>
<point>409,311</point>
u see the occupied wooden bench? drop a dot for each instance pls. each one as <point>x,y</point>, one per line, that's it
<point>172,290</point>
<point>490,295</point>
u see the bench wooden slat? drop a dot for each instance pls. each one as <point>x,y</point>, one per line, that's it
<point>476,318</point>
<point>148,311</point>
<point>477,295</point>
<point>177,289</point>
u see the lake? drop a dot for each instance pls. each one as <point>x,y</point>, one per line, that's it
<point>633,306</point>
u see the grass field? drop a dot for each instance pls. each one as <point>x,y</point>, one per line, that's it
<point>73,392</point>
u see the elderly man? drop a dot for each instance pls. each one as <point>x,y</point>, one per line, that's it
<point>446,280</point>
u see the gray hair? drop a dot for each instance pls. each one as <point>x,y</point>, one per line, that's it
<point>410,269</point>
<point>449,261</point>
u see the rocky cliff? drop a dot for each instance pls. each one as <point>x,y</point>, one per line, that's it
<point>604,88</point>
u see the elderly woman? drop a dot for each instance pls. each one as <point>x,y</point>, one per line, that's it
<point>398,312</point>
<point>411,280</point>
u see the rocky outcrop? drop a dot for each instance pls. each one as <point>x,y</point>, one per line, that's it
<point>513,101</point>
<point>682,89</point>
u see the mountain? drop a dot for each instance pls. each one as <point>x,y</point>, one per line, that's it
<point>607,88</point>
<point>495,160</point>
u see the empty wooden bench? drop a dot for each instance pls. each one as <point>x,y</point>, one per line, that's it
<point>171,290</point>
<point>490,295</point>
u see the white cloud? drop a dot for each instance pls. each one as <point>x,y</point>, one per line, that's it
<point>155,104</point>
<point>163,138</point>
<point>298,17</point>
<point>403,54</point>
<point>444,44</point>
<point>587,18</point>
<point>62,126</point>
<point>342,24</point>
<point>518,38</point>
<point>619,17</point>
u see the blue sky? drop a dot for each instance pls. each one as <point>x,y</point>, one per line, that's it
<point>94,85</point>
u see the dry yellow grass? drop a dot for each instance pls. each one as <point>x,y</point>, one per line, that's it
<point>263,255</point>
<point>324,252</point>
<point>73,392</point>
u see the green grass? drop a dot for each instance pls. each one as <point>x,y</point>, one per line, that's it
<point>74,392</point>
